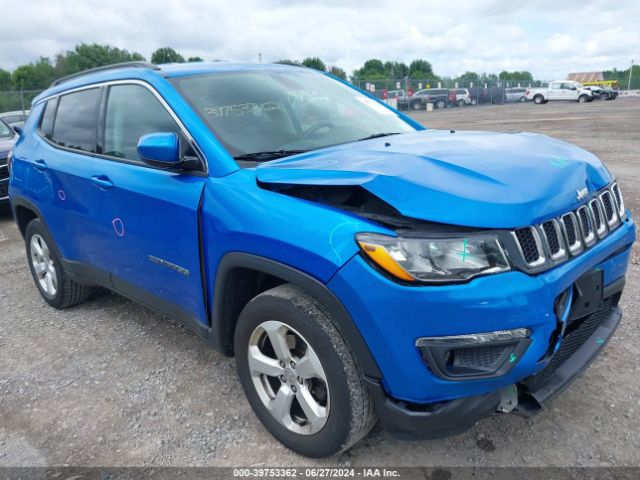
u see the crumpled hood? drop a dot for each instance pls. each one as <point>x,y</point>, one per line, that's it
<point>477,179</point>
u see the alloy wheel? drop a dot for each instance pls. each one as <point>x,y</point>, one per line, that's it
<point>288,377</point>
<point>43,266</point>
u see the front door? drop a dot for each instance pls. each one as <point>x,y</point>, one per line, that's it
<point>148,216</point>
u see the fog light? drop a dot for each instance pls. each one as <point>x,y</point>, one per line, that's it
<point>489,354</point>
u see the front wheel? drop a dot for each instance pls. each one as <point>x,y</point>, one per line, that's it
<point>461,103</point>
<point>604,96</point>
<point>416,106</point>
<point>441,104</point>
<point>299,375</point>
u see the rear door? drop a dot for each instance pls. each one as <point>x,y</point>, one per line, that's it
<point>556,91</point>
<point>148,216</point>
<point>60,181</point>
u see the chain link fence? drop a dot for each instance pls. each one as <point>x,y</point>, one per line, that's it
<point>18,101</point>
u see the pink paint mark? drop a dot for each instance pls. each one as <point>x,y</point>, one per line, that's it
<point>118,226</point>
<point>61,195</point>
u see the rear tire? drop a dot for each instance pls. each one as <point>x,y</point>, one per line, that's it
<point>582,99</point>
<point>441,104</point>
<point>461,103</point>
<point>604,96</point>
<point>416,106</point>
<point>326,408</point>
<point>538,99</point>
<point>522,99</point>
<point>57,289</point>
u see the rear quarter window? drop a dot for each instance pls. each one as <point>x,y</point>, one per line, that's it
<point>75,125</point>
<point>46,124</point>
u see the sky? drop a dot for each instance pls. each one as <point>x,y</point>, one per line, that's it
<point>549,38</point>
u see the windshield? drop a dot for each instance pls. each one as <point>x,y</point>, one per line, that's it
<point>284,111</point>
<point>5,130</point>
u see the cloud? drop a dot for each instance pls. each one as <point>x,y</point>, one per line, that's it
<point>547,37</point>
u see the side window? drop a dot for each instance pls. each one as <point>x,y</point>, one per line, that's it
<point>556,86</point>
<point>46,124</point>
<point>76,120</point>
<point>133,111</point>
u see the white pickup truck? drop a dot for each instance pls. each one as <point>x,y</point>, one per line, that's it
<point>566,90</point>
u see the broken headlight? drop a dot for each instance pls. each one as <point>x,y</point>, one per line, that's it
<point>436,259</point>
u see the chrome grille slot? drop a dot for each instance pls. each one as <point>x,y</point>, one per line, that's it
<point>569,225</point>
<point>597,213</point>
<point>610,214</point>
<point>617,197</point>
<point>586,226</point>
<point>528,242</point>
<point>552,238</point>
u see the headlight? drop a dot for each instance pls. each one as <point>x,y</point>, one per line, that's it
<point>435,259</point>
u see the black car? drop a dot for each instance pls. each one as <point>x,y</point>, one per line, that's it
<point>7,138</point>
<point>603,93</point>
<point>438,96</point>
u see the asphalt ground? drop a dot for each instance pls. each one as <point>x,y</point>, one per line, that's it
<point>110,383</point>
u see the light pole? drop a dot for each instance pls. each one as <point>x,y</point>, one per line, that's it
<point>630,73</point>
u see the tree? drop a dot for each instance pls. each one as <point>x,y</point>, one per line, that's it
<point>338,72</point>
<point>33,76</point>
<point>396,69</point>
<point>85,56</point>
<point>373,69</point>
<point>421,69</point>
<point>288,62</point>
<point>195,59</point>
<point>166,55</point>
<point>5,80</point>
<point>314,62</point>
<point>467,77</point>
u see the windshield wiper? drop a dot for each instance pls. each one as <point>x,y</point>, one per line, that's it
<point>268,155</point>
<point>377,135</point>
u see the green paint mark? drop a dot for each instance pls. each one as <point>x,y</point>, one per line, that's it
<point>559,162</point>
<point>463,254</point>
<point>512,358</point>
<point>599,341</point>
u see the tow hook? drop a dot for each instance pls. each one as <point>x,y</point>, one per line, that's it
<point>508,399</point>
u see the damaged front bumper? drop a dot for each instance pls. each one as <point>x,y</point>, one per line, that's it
<point>578,350</point>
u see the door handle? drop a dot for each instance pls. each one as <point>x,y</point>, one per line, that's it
<point>40,165</point>
<point>102,182</point>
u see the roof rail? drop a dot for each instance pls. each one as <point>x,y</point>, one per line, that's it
<point>105,68</point>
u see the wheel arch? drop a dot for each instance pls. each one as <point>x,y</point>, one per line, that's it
<point>23,212</point>
<point>242,276</point>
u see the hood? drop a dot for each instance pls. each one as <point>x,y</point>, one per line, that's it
<point>475,179</point>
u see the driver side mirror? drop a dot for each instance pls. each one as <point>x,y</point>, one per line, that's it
<point>160,149</point>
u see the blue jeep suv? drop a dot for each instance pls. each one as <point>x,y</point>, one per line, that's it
<point>359,266</point>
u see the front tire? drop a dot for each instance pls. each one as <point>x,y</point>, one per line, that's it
<point>299,374</point>
<point>416,106</point>
<point>57,289</point>
<point>441,104</point>
<point>461,103</point>
<point>604,96</point>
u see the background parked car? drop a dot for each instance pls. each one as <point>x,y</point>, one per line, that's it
<point>438,96</point>
<point>462,97</point>
<point>17,117</point>
<point>401,96</point>
<point>7,138</point>
<point>516,94</point>
<point>602,93</point>
<point>560,90</point>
